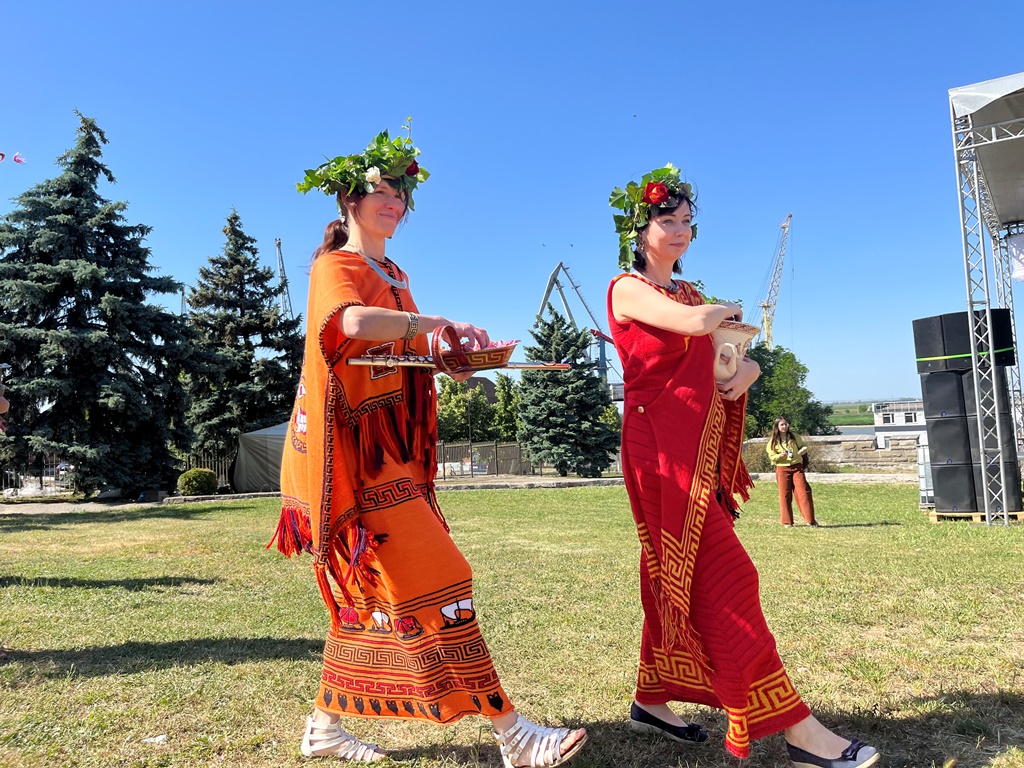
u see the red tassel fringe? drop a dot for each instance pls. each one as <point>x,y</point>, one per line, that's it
<point>293,534</point>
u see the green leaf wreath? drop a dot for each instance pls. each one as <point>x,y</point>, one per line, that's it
<point>661,188</point>
<point>394,159</point>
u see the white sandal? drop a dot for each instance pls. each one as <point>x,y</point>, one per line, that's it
<point>337,742</point>
<point>543,744</point>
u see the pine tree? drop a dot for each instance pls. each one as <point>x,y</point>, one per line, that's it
<point>252,352</point>
<point>506,410</point>
<point>560,412</point>
<point>95,368</point>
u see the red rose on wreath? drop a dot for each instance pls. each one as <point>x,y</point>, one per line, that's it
<point>655,193</point>
<point>413,169</point>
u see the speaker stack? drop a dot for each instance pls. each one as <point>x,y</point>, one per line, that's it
<point>943,347</point>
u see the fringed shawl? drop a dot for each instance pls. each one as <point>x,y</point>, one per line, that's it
<point>351,425</point>
<point>669,380</point>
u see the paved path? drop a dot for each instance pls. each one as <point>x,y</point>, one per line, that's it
<point>480,482</point>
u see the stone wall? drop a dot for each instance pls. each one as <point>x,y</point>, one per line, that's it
<point>860,451</point>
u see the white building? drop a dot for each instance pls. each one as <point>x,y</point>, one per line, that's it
<point>904,418</point>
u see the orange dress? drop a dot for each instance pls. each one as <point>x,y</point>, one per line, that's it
<point>357,486</point>
<point>705,639</point>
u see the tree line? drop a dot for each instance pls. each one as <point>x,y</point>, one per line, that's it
<point>123,389</point>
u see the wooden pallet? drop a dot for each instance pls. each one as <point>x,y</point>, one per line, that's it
<point>976,517</point>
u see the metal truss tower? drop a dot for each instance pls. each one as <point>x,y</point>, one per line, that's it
<point>987,119</point>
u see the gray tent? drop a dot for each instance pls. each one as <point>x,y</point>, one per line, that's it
<point>257,465</point>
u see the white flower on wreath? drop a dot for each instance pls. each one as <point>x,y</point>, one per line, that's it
<point>373,174</point>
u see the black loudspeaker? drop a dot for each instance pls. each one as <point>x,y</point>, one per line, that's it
<point>954,488</point>
<point>943,394</point>
<point>949,441</point>
<point>960,488</point>
<point>1002,392</point>
<point>928,344</point>
<point>943,342</point>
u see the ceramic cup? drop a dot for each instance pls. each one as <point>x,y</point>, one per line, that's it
<point>731,340</point>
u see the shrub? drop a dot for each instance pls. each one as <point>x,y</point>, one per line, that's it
<point>198,482</point>
<point>756,458</point>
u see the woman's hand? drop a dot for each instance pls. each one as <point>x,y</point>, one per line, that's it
<point>746,374</point>
<point>737,311</point>
<point>477,337</point>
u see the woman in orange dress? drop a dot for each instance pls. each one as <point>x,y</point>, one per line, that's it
<point>705,639</point>
<point>357,485</point>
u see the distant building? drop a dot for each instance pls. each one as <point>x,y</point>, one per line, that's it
<point>904,418</point>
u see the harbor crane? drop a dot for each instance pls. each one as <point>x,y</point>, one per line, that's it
<point>282,281</point>
<point>767,306</point>
<point>555,284</point>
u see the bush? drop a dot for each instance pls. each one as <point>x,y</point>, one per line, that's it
<point>756,458</point>
<point>198,482</point>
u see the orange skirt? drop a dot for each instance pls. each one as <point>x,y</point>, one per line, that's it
<point>410,645</point>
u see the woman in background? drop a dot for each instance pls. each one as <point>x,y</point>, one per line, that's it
<point>788,455</point>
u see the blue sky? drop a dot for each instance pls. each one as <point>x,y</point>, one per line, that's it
<point>528,114</point>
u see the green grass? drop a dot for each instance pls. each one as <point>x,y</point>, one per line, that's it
<point>124,625</point>
<point>851,419</point>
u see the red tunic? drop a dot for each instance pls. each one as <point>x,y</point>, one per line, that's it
<point>705,639</point>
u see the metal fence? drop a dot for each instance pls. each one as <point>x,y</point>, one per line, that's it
<point>49,477</point>
<point>464,459</point>
<point>219,463</point>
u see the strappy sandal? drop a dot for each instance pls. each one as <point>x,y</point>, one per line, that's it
<point>338,743</point>
<point>542,743</point>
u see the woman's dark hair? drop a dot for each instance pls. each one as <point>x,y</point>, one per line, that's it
<point>776,435</point>
<point>670,206</point>
<point>336,233</point>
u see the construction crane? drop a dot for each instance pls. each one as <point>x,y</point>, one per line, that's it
<point>282,280</point>
<point>768,304</point>
<point>555,284</point>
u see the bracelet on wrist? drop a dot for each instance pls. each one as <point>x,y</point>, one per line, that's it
<point>414,326</point>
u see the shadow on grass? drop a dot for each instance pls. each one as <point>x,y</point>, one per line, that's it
<point>131,585</point>
<point>130,658</point>
<point>41,521</point>
<point>970,728</point>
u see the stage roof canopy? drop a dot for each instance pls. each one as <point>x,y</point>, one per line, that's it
<point>996,109</point>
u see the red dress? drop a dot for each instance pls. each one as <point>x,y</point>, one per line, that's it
<point>705,639</point>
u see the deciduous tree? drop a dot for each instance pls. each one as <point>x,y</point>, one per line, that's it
<point>780,391</point>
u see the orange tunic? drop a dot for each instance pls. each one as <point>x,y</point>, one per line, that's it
<point>357,485</point>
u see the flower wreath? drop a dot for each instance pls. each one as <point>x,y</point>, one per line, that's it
<point>661,188</point>
<point>384,157</point>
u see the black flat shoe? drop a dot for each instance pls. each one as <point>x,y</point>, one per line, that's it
<point>643,721</point>
<point>857,755</point>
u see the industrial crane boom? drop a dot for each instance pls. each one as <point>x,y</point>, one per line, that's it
<point>768,305</point>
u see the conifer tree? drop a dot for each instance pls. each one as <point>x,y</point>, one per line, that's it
<point>253,353</point>
<point>95,368</point>
<point>561,413</point>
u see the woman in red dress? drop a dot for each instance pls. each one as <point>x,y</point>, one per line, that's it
<point>705,639</point>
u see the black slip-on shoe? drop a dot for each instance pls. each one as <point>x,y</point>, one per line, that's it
<point>643,721</point>
<point>857,755</point>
